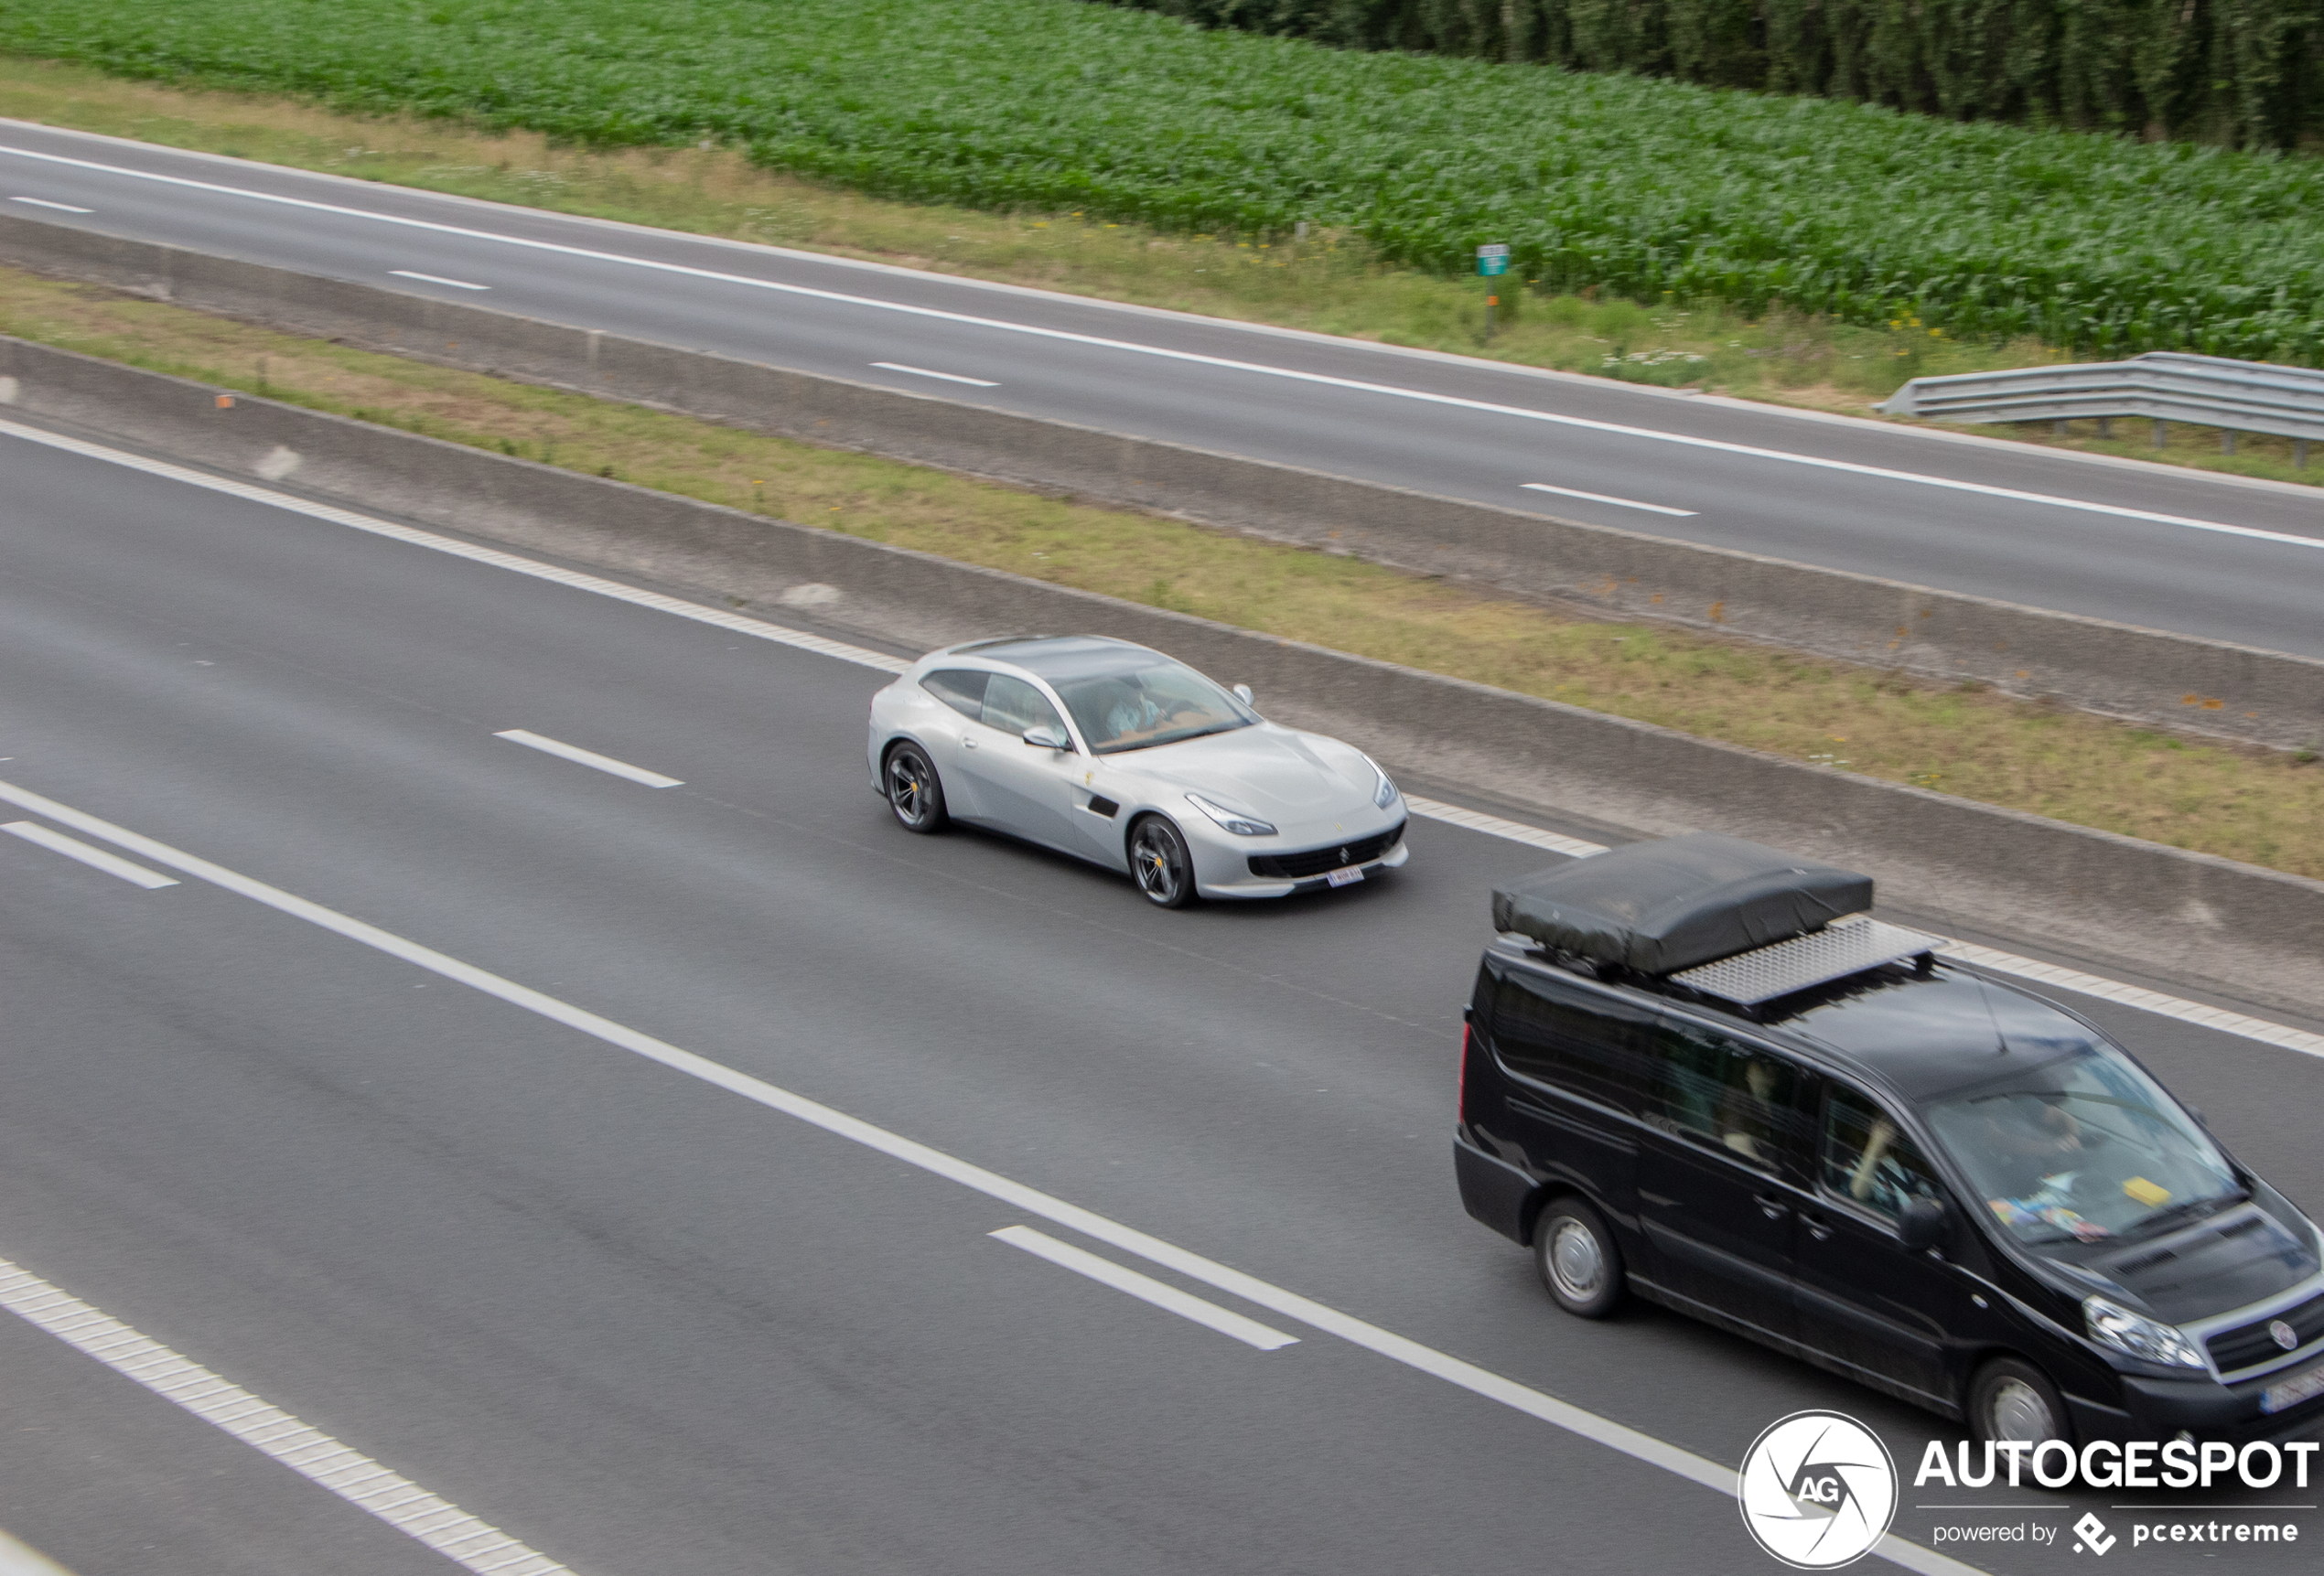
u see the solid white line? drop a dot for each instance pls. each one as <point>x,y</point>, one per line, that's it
<point>2155,1002</point>
<point>95,858</point>
<point>924,372</point>
<point>1484,1382</point>
<point>1145,1288</point>
<point>60,207</point>
<point>587,758</point>
<point>20,1558</point>
<point>1601,498</point>
<point>310,1453</point>
<point>436,279</point>
<point>1227,363</point>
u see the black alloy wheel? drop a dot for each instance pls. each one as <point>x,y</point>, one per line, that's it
<point>2012,1399</point>
<point>1576,1254</point>
<point>1159,860</point>
<point>914,791</point>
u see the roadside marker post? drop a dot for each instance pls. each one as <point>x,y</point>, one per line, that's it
<point>1492,262</point>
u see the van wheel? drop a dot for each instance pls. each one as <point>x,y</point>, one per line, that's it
<point>1578,1261</point>
<point>2012,1399</point>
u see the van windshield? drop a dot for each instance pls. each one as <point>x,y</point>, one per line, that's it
<point>2083,1149</point>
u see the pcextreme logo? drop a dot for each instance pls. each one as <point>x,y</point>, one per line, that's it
<point>1818,1490</point>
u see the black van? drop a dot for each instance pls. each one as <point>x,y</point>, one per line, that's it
<point>1694,1069</point>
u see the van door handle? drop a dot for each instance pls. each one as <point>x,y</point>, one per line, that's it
<point>1771,1205</point>
<point>1818,1227</point>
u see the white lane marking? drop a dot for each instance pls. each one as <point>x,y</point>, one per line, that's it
<point>2250,1028</point>
<point>924,372</point>
<point>1484,1382</point>
<point>735,623</point>
<point>1228,363</point>
<point>1494,826</point>
<point>309,1452</point>
<point>1602,497</point>
<point>95,858</point>
<point>60,207</point>
<point>588,757</point>
<point>1145,1288</point>
<point>436,279</point>
<point>21,1559</point>
<point>2097,985</point>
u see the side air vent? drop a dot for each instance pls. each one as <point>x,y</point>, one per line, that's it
<point>1099,805</point>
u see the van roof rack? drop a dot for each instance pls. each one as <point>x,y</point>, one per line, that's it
<point>1843,947</point>
<point>1668,906</point>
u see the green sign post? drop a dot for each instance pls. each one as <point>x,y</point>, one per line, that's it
<point>1492,262</point>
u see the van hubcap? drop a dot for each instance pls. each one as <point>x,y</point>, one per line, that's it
<point>2020,1413</point>
<point>1575,1261</point>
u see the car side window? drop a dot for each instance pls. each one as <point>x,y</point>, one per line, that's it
<point>1013,706</point>
<point>1731,1095</point>
<point>1571,1040</point>
<point>1867,1158</point>
<point>963,689</point>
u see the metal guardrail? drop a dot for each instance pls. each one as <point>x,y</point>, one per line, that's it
<point>2162,386</point>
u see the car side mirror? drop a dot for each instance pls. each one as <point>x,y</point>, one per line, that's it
<point>1242,693</point>
<point>1921,1225</point>
<point>1046,738</point>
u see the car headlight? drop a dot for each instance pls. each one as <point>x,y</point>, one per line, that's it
<point>2112,1324</point>
<point>1384,794</point>
<point>1234,821</point>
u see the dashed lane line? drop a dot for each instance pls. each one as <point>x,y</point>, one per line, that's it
<point>2229,1023</point>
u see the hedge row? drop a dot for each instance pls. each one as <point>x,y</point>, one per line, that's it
<point>2247,72</point>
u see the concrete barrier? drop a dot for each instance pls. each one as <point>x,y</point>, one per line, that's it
<point>2206,686</point>
<point>2184,916</point>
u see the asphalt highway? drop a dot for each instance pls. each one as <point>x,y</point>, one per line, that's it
<point>2158,548</point>
<point>641,1321</point>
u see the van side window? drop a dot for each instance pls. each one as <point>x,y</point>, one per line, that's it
<point>1738,1097</point>
<point>963,689</point>
<point>1866,1158</point>
<point>1572,1040</point>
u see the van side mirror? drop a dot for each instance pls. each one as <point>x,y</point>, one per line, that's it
<point>1242,693</point>
<point>1921,1225</point>
<point>1045,739</point>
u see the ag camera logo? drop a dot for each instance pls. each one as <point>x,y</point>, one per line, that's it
<point>1818,1489</point>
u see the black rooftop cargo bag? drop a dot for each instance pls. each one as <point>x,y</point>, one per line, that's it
<point>1658,908</point>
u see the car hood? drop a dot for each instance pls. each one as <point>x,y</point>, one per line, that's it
<point>1273,772</point>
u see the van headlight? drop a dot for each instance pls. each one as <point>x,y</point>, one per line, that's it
<point>2112,1324</point>
<point>1234,820</point>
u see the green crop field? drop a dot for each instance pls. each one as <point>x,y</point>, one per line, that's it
<point>1631,186</point>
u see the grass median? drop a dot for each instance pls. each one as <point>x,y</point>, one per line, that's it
<point>1329,283</point>
<point>2260,806</point>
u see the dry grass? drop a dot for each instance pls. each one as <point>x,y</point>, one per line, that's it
<point>1327,282</point>
<point>2247,804</point>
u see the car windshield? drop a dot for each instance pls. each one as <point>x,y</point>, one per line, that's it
<point>1156,705</point>
<point>2083,1149</point>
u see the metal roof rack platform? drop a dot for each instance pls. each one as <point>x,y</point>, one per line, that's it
<point>1832,953</point>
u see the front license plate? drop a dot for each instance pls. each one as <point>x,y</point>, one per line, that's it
<point>1347,877</point>
<point>2292,1392</point>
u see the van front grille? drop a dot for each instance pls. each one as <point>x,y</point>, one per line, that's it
<point>2249,1346</point>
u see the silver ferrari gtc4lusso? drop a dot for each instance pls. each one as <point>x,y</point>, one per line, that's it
<point>1120,755</point>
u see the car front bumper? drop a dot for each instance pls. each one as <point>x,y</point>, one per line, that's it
<point>1223,861</point>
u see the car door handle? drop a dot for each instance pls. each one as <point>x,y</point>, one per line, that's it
<point>1818,1227</point>
<point>1770,1206</point>
<point>967,743</point>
